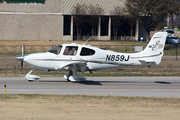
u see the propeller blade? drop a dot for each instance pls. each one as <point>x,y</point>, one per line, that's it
<point>21,67</point>
<point>22,55</point>
<point>23,50</point>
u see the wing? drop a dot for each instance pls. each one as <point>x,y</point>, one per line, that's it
<point>67,62</point>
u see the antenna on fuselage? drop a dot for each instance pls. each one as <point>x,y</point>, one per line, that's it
<point>87,40</point>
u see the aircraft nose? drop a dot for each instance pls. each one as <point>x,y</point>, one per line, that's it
<point>36,60</point>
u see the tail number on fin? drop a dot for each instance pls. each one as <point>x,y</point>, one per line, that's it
<point>117,58</point>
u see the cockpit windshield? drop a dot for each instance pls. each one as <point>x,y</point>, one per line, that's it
<point>56,50</point>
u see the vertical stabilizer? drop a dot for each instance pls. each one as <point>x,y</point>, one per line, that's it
<point>154,50</point>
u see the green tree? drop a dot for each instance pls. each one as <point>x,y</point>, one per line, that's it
<point>150,12</point>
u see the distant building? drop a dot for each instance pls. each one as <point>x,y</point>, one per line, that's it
<point>53,20</point>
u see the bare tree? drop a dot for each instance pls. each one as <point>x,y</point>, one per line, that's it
<point>117,19</point>
<point>78,16</point>
<point>84,13</point>
<point>173,7</point>
<point>132,22</point>
<point>94,12</point>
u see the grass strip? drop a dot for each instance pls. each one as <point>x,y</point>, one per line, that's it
<point>80,107</point>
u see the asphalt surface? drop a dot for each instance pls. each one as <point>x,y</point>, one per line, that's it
<point>113,86</point>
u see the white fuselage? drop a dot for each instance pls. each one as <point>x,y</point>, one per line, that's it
<point>49,61</point>
<point>78,57</point>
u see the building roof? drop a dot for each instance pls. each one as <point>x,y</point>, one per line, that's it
<point>106,5</point>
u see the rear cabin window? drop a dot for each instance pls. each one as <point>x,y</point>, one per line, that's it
<point>87,52</point>
<point>70,50</point>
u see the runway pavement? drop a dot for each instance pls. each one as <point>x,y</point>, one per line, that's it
<point>114,86</point>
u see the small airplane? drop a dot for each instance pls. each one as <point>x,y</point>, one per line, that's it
<point>80,58</point>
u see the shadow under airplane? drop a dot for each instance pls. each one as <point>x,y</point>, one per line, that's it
<point>92,82</point>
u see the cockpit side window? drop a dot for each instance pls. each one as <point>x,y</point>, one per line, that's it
<point>87,52</point>
<point>70,50</point>
<point>56,50</point>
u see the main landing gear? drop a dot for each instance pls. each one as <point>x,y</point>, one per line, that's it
<point>72,76</point>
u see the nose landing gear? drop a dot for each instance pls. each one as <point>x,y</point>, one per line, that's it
<point>30,77</point>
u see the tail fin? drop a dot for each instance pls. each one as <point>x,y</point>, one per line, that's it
<point>154,50</point>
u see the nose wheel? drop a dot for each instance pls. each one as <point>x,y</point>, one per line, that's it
<point>30,77</point>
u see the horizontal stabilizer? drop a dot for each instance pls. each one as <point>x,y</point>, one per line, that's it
<point>147,60</point>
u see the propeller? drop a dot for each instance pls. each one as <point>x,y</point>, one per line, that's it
<point>21,66</point>
<point>21,58</point>
<point>22,55</point>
